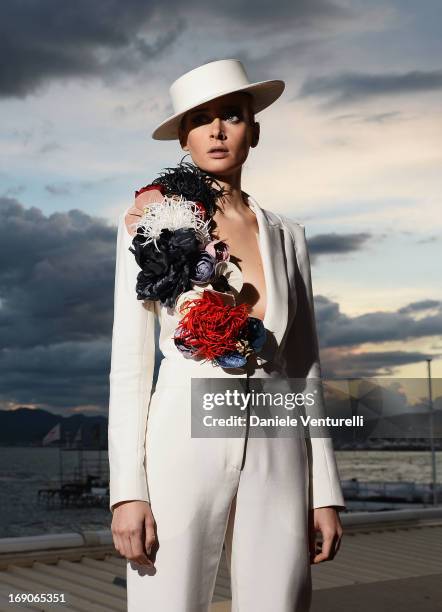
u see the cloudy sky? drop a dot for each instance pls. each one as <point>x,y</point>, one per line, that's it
<point>351,149</point>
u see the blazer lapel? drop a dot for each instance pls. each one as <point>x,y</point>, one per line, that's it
<point>271,244</point>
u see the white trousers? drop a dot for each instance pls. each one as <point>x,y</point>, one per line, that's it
<point>250,492</point>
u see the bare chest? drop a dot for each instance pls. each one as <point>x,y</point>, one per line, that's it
<point>245,253</point>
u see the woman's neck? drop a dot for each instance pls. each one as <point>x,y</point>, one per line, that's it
<point>233,202</point>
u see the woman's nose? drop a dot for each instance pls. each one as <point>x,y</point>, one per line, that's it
<point>216,126</point>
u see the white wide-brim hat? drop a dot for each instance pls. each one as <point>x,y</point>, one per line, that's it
<point>210,81</point>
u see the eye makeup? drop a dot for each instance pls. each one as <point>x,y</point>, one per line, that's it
<point>228,112</point>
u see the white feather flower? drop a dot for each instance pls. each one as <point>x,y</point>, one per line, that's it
<point>173,212</point>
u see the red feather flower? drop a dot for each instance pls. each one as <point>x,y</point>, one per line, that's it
<point>210,327</point>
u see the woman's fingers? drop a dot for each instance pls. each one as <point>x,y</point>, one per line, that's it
<point>326,521</point>
<point>135,213</point>
<point>138,553</point>
<point>327,551</point>
<point>150,536</point>
<point>329,548</point>
<point>132,217</point>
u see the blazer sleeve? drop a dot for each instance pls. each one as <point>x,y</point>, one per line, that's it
<point>301,358</point>
<point>130,378</point>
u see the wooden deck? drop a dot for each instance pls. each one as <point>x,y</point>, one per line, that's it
<point>383,565</point>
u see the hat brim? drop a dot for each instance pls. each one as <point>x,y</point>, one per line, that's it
<point>264,94</point>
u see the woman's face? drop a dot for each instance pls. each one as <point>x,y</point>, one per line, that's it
<point>225,122</point>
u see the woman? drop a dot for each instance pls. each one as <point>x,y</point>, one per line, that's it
<point>175,498</point>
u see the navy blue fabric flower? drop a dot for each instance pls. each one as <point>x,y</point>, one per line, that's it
<point>204,268</point>
<point>256,333</point>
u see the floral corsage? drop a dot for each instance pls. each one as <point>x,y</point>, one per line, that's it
<point>189,272</point>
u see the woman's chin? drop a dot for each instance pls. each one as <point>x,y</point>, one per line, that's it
<point>217,166</point>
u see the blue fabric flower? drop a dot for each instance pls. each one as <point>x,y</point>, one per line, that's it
<point>231,360</point>
<point>256,333</point>
<point>203,269</point>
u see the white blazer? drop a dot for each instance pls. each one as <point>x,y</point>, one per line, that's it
<point>289,317</point>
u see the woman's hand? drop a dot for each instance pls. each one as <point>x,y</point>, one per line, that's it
<point>325,520</point>
<point>135,213</point>
<point>134,531</point>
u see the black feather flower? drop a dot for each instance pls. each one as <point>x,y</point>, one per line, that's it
<point>166,267</point>
<point>194,184</point>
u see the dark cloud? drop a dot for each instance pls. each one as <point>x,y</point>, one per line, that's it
<point>59,377</point>
<point>56,276</point>
<point>59,189</point>
<point>337,243</point>
<point>338,330</point>
<point>65,188</point>
<point>342,338</point>
<point>56,293</point>
<point>420,306</point>
<point>386,117</point>
<point>48,147</point>
<point>370,364</point>
<point>50,40</point>
<point>263,13</point>
<point>353,87</point>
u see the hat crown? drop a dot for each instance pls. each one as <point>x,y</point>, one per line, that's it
<point>209,81</point>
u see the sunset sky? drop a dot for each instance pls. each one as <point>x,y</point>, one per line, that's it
<point>352,150</point>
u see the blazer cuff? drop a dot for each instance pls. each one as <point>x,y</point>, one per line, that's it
<point>129,488</point>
